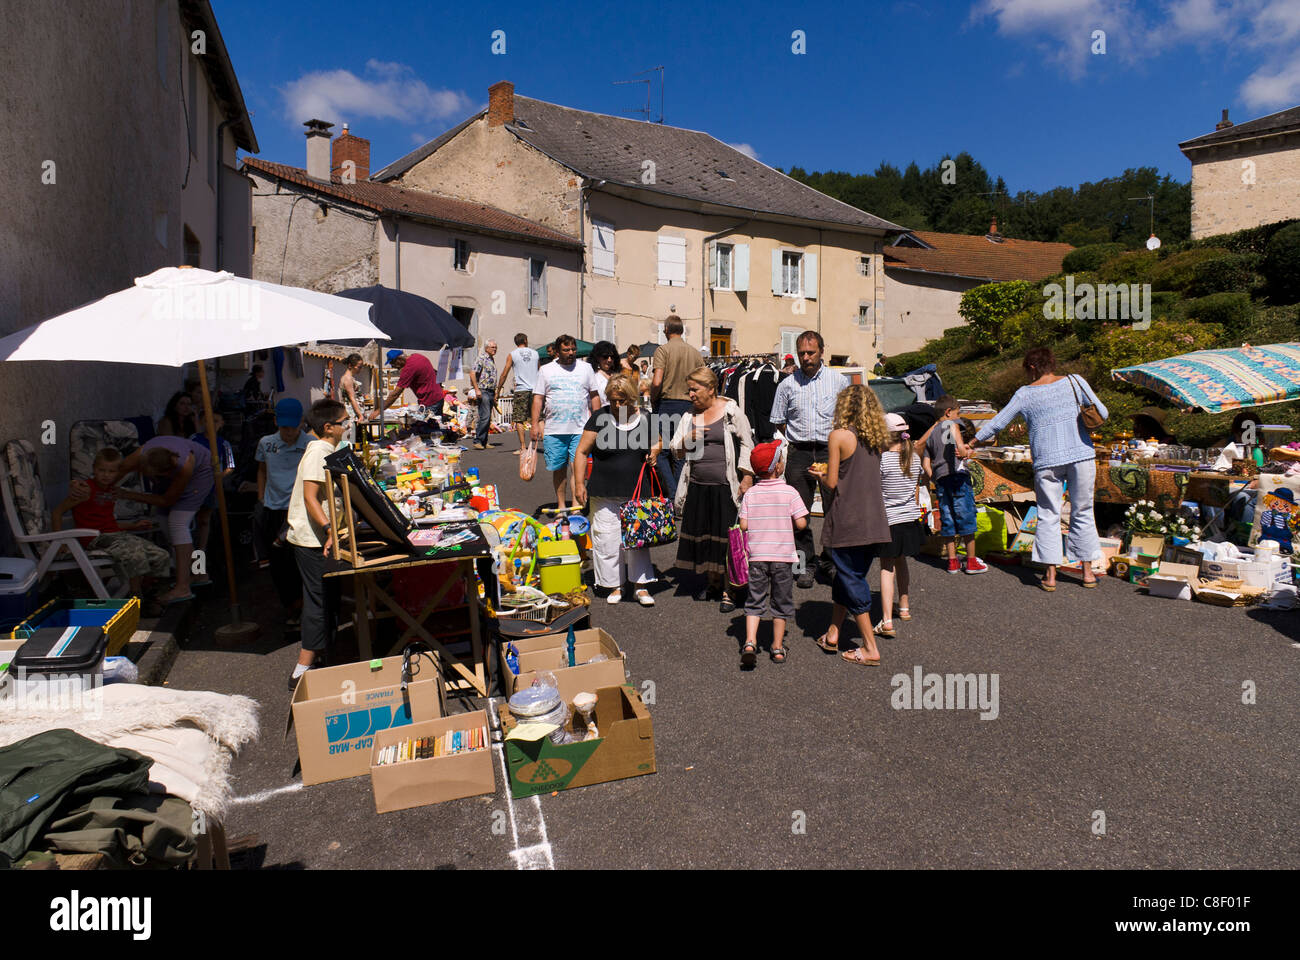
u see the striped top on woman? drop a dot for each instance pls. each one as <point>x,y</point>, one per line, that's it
<point>899,489</point>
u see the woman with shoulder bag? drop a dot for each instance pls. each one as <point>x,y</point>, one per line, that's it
<point>715,440</point>
<point>1061,413</point>
<point>617,437</point>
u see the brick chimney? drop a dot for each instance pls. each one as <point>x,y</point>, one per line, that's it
<point>318,149</point>
<point>348,147</point>
<point>1225,123</point>
<point>993,228</point>
<point>501,103</point>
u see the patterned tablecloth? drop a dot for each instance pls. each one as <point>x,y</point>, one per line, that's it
<point>1126,483</point>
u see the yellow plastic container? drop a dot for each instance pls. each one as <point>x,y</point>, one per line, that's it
<point>560,566</point>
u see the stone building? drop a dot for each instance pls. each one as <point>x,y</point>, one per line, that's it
<point>328,227</point>
<point>670,221</point>
<point>926,273</point>
<point>119,159</point>
<point>1245,174</point>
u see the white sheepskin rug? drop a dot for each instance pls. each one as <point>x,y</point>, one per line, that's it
<point>191,735</point>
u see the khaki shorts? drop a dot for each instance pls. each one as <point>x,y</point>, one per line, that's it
<point>523,407</point>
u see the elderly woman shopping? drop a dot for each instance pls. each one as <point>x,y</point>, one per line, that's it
<point>1064,458</point>
<point>618,439</point>
<point>715,440</point>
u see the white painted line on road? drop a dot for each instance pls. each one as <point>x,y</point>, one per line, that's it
<point>538,856</point>
<point>266,794</point>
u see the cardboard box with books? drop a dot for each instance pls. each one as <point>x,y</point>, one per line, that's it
<point>432,761</point>
<point>338,711</point>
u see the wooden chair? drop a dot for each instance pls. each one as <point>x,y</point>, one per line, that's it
<point>29,522</point>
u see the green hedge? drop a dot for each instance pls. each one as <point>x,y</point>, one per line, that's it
<point>1253,240</point>
<point>1090,257</point>
<point>1234,273</point>
<point>1131,266</point>
<point>986,307</point>
<point>1232,311</point>
<point>1119,346</point>
<point>1281,265</point>
<point>1176,271</point>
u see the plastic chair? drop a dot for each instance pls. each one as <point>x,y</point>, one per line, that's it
<point>29,522</point>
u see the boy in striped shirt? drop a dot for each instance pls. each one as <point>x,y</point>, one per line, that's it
<point>770,513</point>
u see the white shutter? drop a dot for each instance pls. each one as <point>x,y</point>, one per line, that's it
<point>810,276</point>
<point>660,336</point>
<point>603,327</point>
<point>776,272</point>
<point>713,265</point>
<point>542,304</point>
<point>740,268</point>
<point>602,249</point>
<point>672,261</point>
<point>788,338</point>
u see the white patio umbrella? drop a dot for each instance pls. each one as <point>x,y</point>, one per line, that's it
<point>180,315</point>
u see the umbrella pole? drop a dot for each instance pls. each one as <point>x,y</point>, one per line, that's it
<point>235,631</point>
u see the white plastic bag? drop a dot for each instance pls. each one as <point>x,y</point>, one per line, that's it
<point>528,462</point>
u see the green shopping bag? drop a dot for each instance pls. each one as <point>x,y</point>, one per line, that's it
<point>990,531</point>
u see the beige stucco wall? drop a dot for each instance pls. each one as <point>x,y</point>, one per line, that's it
<point>491,165</point>
<point>495,285</point>
<point>82,88</point>
<point>920,307</point>
<point>304,243</point>
<point>1222,202</point>
<point>756,318</point>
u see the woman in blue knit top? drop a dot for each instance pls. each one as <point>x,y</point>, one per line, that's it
<point>1063,454</point>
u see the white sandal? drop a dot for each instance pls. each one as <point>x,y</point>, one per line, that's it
<point>615,595</point>
<point>643,597</point>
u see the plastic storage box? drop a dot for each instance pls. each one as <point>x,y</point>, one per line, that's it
<point>560,566</point>
<point>18,590</point>
<point>66,656</point>
<point>117,618</point>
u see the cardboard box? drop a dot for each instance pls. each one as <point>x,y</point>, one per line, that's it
<point>1148,544</point>
<point>1255,573</point>
<point>338,711</point>
<point>548,652</point>
<point>625,748</point>
<point>1170,588</point>
<point>415,783</point>
<point>1110,547</point>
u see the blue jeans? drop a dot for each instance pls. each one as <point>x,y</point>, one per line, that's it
<point>485,398</point>
<point>1049,487</point>
<point>669,467</point>
<point>850,588</point>
<point>956,505</point>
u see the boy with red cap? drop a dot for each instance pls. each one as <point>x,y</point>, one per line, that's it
<point>770,512</point>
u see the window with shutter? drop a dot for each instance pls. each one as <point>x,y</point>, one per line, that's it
<point>537,285</point>
<point>722,263</point>
<point>788,339</point>
<point>602,327</point>
<point>672,261</point>
<point>660,336</point>
<point>602,249</point>
<point>792,274</point>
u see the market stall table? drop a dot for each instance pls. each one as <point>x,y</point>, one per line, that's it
<point>996,480</point>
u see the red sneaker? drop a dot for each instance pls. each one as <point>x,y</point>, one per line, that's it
<point>976,565</point>
<point>954,565</point>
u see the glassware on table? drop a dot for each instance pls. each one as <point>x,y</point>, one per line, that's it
<point>1198,456</point>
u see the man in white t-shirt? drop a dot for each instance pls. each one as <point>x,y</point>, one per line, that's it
<point>564,396</point>
<point>523,361</point>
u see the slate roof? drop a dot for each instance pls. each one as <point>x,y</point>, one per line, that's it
<point>977,257</point>
<point>1281,122</point>
<point>386,199</point>
<point>689,164</point>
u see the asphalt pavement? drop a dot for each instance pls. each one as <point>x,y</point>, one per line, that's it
<point>1121,740</point>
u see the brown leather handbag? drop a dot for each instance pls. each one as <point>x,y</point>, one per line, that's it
<point>1088,412</point>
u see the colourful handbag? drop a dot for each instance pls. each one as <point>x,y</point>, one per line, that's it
<point>648,522</point>
<point>737,557</point>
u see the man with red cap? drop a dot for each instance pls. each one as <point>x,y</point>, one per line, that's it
<point>770,512</point>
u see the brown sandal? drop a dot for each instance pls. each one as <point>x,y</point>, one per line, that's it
<point>855,656</point>
<point>826,645</point>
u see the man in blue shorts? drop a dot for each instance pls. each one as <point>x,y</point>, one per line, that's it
<point>565,395</point>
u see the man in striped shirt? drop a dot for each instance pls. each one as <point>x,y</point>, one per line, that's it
<point>803,409</point>
<point>769,514</point>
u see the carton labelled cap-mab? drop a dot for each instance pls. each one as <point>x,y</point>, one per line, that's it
<point>337,711</point>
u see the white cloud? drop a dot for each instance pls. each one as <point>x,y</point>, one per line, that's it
<point>1272,88</point>
<point>1063,29</point>
<point>1201,19</point>
<point>387,91</point>
<point>744,148</point>
<point>420,139</point>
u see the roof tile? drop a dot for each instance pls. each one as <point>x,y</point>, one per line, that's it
<point>976,256</point>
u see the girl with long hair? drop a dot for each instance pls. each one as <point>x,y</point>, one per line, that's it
<point>856,522</point>
<point>900,476</point>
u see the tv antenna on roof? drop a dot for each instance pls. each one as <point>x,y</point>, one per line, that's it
<point>1153,242</point>
<point>646,111</point>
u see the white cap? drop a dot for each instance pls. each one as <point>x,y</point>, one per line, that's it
<point>895,423</point>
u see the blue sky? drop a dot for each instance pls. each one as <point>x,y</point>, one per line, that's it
<point>1014,82</point>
